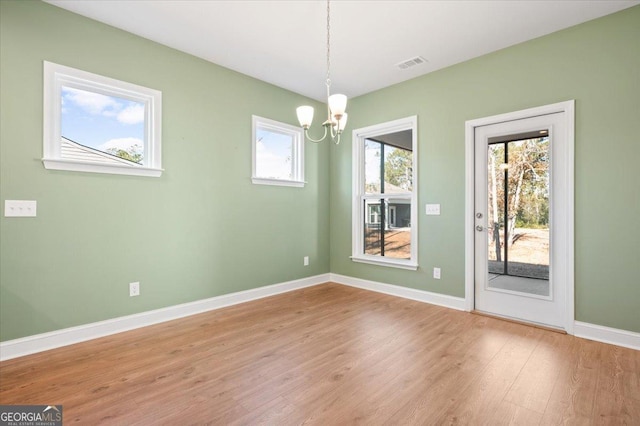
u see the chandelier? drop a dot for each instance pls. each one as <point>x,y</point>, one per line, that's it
<point>336,104</point>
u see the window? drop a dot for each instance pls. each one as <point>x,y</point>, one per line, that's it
<point>278,153</point>
<point>97,124</point>
<point>385,195</point>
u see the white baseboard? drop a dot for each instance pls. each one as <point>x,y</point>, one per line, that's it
<point>68,336</point>
<point>614,336</point>
<point>404,292</point>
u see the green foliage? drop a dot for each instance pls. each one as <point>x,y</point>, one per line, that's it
<point>398,168</point>
<point>533,213</point>
<point>133,154</point>
<point>528,183</point>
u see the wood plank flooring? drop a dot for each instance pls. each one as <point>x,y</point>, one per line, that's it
<point>333,355</point>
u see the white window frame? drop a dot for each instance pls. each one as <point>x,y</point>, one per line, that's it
<point>359,194</point>
<point>56,76</point>
<point>297,154</point>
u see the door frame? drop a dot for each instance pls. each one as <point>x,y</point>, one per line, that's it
<point>564,231</point>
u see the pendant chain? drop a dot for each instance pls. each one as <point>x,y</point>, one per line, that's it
<point>328,47</point>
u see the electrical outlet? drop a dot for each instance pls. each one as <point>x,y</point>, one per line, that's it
<point>436,273</point>
<point>306,261</point>
<point>134,289</point>
<point>20,208</point>
<point>432,209</point>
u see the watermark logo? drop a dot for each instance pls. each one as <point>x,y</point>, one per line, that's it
<point>30,415</point>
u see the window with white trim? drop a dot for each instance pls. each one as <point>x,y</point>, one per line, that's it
<point>278,153</point>
<point>384,222</point>
<point>94,123</point>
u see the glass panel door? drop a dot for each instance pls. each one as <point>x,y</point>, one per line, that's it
<point>521,187</point>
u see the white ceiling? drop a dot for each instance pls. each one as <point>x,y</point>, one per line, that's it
<point>283,42</point>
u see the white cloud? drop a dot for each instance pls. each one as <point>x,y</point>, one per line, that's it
<point>94,103</point>
<point>126,144</point>
<point>132,114</point>
<point>107,106</point>
<point>271,165</point>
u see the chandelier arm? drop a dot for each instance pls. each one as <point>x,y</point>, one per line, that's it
<point>334,131</point>
<point>335,134</point>
<point>310,139</point>
<point>336,138</point>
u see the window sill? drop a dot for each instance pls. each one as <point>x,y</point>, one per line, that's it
<point>79,166</point>
<point>375,260</point>
<point>277,182</point>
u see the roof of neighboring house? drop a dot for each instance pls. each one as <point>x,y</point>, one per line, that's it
<point>70,150</point>
<point>390,188</point>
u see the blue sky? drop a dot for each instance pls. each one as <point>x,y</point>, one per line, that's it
<point>101,121</point>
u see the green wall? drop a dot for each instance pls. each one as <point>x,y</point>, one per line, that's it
<point>201,230</point>
<point>598,65</point>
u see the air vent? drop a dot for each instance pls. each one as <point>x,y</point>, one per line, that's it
<point>411,62</point>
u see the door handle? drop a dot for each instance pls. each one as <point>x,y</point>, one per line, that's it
<point>479,228</point>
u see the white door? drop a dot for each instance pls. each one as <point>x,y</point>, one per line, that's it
<point>520,206</point>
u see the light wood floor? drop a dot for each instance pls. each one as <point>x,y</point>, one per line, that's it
<point>333,355</point>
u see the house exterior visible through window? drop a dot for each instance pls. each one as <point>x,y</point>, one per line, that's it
<point>278,153</point>
<point>98,124</point>
<point>384,211</point>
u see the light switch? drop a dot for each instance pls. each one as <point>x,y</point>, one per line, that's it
<point>432,209</point>
<point>19,208</point>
